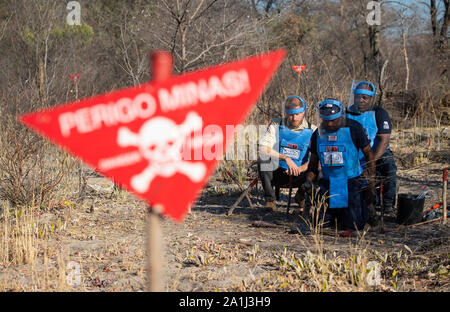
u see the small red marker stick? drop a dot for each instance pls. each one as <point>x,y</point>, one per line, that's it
<point>75,79</point>
<point>161,62</point>
<point>81,179</point>
<point>444,196</point>
<point>298,68</point>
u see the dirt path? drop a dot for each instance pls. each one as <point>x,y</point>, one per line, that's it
<point>211,251</point>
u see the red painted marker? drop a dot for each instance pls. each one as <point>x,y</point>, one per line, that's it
<point>298,68</point>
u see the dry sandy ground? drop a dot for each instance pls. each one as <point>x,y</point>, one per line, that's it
<point>211,251</point>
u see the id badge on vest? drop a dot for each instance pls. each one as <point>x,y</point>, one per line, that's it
<point>333,155</point>
<point>291,152</point>
<point>333,158</point>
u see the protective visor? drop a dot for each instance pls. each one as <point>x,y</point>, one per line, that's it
<point>330,109</point>
<point>357,90</point>
<point>295,110</point>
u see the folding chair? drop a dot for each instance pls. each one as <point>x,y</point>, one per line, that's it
<point>277,193</point>
<point>243,194</point>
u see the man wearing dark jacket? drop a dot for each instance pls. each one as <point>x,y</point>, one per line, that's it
<point>377,123</point>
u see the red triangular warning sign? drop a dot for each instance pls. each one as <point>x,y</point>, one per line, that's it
<point>161,140</point>
<point>74,77</point>
<point>298,68</point>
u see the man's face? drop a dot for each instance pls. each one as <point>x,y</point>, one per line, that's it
<point>364,101</point>
<point>294,120</point>
<point>332,125</point>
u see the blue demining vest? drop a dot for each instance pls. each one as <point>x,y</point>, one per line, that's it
<point>340,161</point>
<point>369,123</point>
<point>294,144</point>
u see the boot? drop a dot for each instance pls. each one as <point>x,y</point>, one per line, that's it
<point>373,218</point>
<point>389,210</point>
<point>300,229</point>
<point>270,206</point>
<point>300,198</point>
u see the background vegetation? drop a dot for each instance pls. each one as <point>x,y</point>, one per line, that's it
<point>407,56</point>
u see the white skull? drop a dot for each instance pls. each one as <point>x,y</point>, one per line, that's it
<point>160,141</point>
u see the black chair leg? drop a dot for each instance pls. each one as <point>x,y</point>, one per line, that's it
<point>290,194</point>
<point>277,192</point>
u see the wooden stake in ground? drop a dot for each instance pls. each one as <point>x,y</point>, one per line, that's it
<point>444,197</point>
<point>82,180</point>
<point>154,252</point>
<point>161,63</point>
<point>80,168</point>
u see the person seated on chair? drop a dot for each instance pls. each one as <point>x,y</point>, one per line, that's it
<point>284,152</point>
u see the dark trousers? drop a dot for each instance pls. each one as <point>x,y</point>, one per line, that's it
<point>352,217</point>
<point>387,171</point>
<point>277,177</point>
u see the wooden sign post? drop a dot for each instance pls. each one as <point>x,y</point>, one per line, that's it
<point>161,64</point>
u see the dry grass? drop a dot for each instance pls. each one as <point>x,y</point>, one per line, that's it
<point>18,237</point>
<point>24,247</point>
<point>355,268</point>
<point>317,269</point>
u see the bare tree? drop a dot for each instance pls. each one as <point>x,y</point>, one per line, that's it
<point>439,33</point>
<point>198,29</point>
<point>444,28</point>
<point>405,20</point>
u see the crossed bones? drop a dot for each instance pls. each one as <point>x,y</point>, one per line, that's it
<point>160,141</point>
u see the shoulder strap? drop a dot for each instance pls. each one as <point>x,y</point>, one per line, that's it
<point>346,123</point>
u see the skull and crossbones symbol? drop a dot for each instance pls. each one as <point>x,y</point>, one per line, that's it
<point>159,141</point>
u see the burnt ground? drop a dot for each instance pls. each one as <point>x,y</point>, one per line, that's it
<point>211,251</point>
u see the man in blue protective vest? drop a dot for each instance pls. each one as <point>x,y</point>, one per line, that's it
<point>336,145</point>
<point>284,152</point>
<point>377,123</point>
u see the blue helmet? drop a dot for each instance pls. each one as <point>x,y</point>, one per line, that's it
<point>295,110</point>
<point>330,109</point>
<point>362,90</point>
<point>357,90</point>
